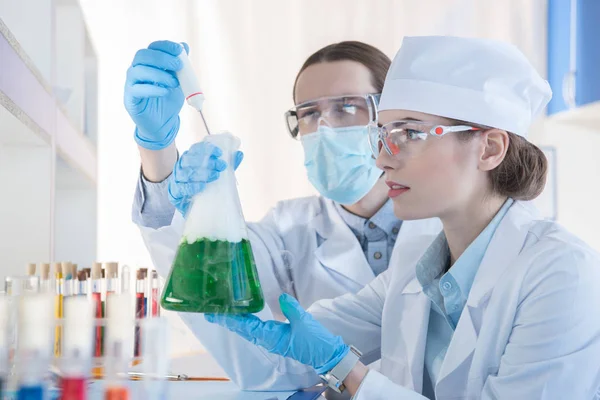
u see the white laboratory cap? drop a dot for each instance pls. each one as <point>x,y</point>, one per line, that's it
<point>482,81</point>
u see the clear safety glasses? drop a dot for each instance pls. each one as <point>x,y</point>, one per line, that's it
<point>407,134</point>
<point>335,112</point>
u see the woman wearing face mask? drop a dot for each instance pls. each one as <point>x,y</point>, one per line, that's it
<point>312,248</point>
<point>501,304</point>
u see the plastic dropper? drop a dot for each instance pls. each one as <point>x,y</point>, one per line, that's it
<point>190,85</point>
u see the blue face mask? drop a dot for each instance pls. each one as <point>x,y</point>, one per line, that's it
<point>339,162</point>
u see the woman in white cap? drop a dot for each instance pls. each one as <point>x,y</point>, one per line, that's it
<point>502,304</point>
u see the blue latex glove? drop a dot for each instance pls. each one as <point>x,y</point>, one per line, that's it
<point>195,168</point>
<point>303,338</point>
<point>153,97</point>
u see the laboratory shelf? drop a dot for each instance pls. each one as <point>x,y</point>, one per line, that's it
<point>48,135</point>
<point>26,95</point>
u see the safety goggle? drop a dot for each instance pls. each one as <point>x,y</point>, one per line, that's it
<point>395,135</point>
<point>335,112</point>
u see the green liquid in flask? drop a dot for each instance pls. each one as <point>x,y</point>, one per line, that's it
<point>213,276</point>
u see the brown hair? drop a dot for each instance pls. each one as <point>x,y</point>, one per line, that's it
<point>522,173</point>
<point>371,57</point>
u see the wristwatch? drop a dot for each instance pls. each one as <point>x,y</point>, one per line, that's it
<point>335,377</point>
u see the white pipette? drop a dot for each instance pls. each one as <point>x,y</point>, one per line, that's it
<point>190,86</point>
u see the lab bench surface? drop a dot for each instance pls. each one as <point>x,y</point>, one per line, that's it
<point>198,391</point>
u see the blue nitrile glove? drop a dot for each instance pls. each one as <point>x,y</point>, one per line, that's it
<point>304,339</point>
<point>195,168</point>
<point>153,97</point>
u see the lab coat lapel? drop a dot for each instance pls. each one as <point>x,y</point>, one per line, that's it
<point>414,306</point>
<point>340,250</point>
<point>413,332</point>
<point>505,246</point>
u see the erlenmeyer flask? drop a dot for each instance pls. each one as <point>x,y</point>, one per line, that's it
<point>214,269</point>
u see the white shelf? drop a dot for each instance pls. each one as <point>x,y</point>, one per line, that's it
<point>30,22</point>
<point>27,96</point>
<point>48,131</point>
<point>13,131</point>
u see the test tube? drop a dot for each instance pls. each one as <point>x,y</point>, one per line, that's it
<point>145,290</point>
<point>96,279</point>
<point>155,353</point>
<point>75,284</point>
<point>155,292</point>
<point>88,274</point>
<point>140,307</point>
<point>34,348</point>
<point>82,284</point>
<point>125,279</point>
<point>77,347</point>
<point>112,278</point>
<point>66,269</point>
<point>58,307</point>
<point>4,343</point>
<point>30,269</point>
<point>67,273</point>
<point>45,282</point>
<point>118,345</point>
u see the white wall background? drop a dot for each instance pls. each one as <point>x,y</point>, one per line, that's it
<point>25,225</point>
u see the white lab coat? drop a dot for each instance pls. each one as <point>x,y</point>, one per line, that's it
<point>529,330</point>
<point>289,259</point>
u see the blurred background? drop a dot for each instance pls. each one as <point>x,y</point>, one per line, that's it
<point>68,161</point>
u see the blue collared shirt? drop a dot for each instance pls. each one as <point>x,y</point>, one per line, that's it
<point>448,292</point>
<point>376,235</point>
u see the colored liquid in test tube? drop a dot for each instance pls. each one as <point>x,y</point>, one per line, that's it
<point>77,347</point>
<point>155,292</point>
<point>34,347</point>
<point>146,291</point>
<point>58,307</point>
<point>96,283</point>
<point>140,307</point>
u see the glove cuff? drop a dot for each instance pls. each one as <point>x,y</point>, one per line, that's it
<point>158,145</point>
<point>335,360</point>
